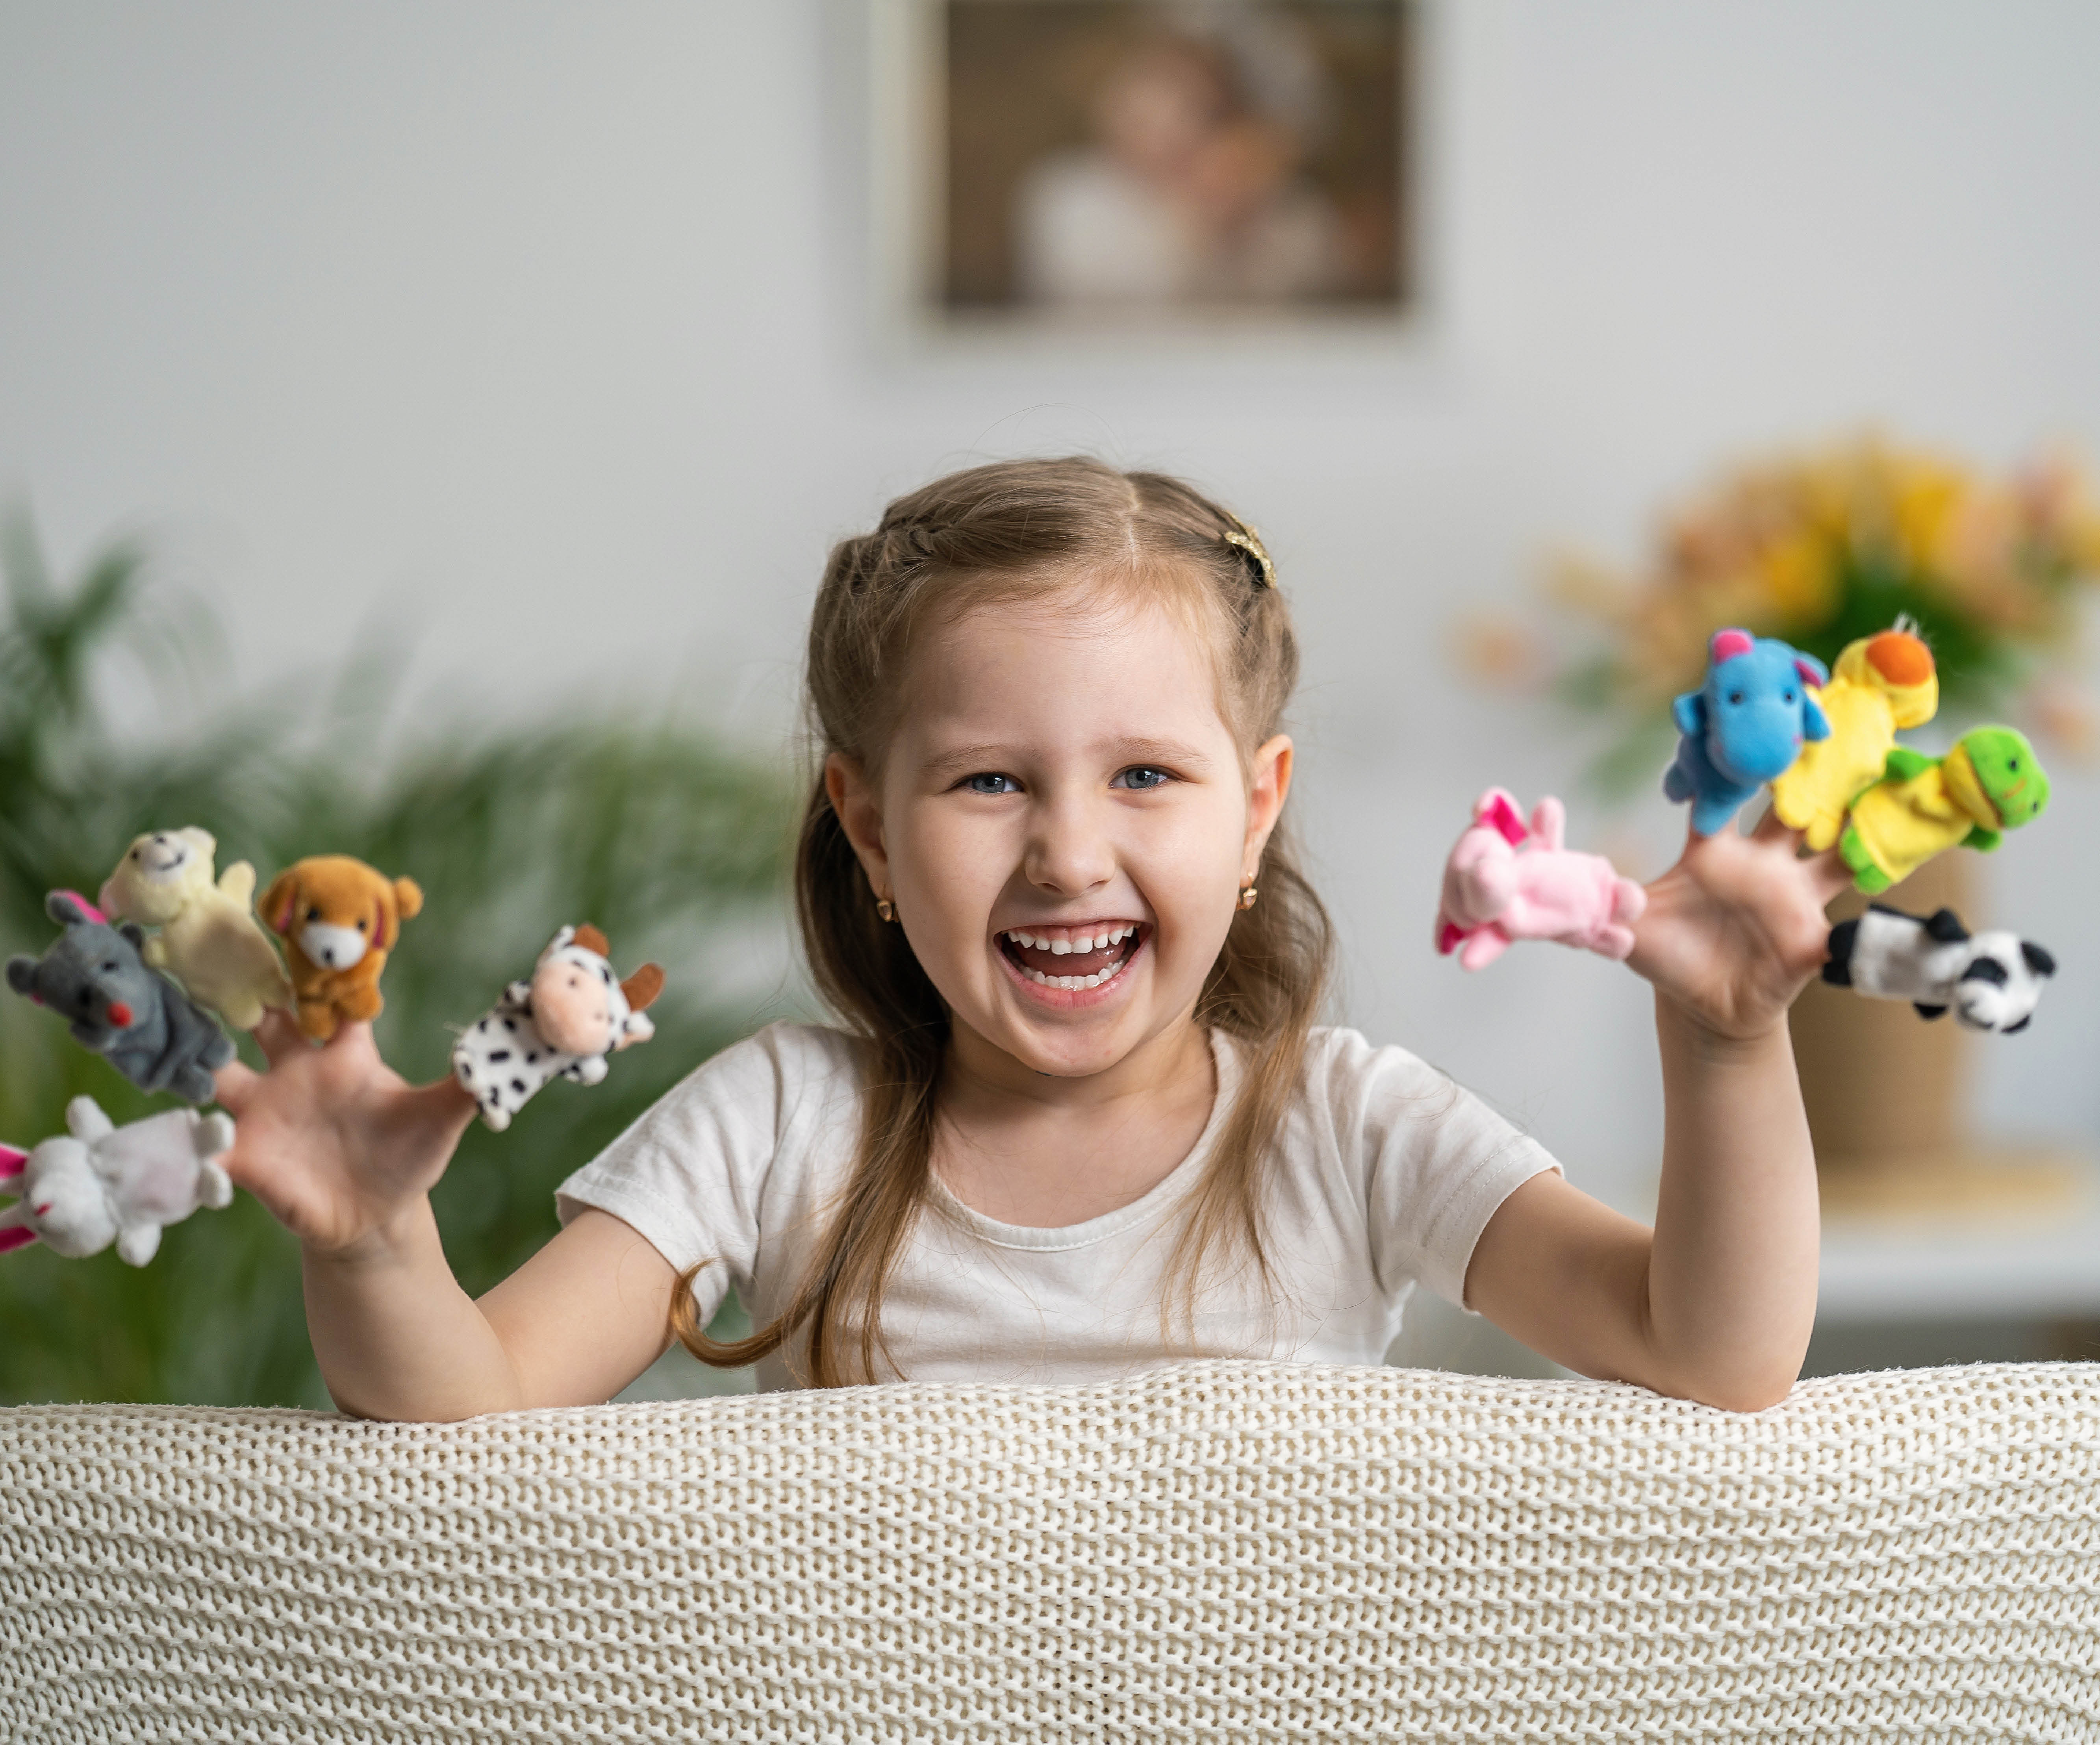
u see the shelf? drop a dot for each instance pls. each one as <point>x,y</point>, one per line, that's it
<point>1956,1251</point>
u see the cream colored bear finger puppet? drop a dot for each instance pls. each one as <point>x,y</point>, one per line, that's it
<point>209,940</point>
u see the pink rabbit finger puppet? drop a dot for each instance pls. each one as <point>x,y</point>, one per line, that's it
<point>566,1021</point>
<point>1505,882</point>
<point>98,1183</point>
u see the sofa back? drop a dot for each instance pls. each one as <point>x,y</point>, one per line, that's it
<point>1271,1551</point>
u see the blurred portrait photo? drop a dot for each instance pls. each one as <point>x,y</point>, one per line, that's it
<point>1130,157</point>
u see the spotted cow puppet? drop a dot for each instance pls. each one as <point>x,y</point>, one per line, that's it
<point>566,1021</point>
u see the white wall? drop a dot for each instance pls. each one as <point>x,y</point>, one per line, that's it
<point>541,329</point>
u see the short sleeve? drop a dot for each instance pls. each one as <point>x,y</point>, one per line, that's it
<point>689,1174</point>
<point>1437,1162</point>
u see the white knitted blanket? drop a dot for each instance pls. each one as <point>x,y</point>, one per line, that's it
<point>1246,1550</point>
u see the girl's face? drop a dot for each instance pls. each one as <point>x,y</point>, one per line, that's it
<point>1064,826</point>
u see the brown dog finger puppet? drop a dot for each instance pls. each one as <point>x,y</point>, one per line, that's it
<point>338,919</point>
<point>567,1023</point>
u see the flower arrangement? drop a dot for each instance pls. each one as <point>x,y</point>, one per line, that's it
<point>1819,547</point>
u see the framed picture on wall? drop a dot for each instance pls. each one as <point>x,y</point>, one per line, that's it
<point>1091,166</point>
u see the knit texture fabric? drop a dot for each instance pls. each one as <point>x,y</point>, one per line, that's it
<point>1221,1549</point>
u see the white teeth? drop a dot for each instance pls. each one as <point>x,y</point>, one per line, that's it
<point>1060,947</point>
<point>1074,983</point>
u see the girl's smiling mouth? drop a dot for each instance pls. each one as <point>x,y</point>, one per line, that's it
<point>1083,959</point>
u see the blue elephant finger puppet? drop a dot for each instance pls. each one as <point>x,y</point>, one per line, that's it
<point>94,976</point>
<point>1744,726</point>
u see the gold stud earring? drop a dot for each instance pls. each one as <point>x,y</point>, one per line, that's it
<point>885,909</point>
<point>1247,895</point>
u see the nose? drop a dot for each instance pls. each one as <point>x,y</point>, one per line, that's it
<point>120,1014</point>
<point>1068,850</point>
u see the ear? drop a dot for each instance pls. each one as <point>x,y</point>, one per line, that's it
<point>67,907</point>
<point>20,1236</point>
<point>1266,793</point>
<point>12,1162</point>
<point>1815,724</point>
<point>2037,960</point>
<point>858,806</point>
<point>1689,712</point>
<point>1727,644</point>
<point>642,987</point>
<point>592,940</point>
<point>380,942</point>
<point>132,931</point>
<point>202,840</point>
<point>21,974</point>
<point>1811,670</point>
<point>280,902</point>
<point>409,896</point>
<point>1497,808</point>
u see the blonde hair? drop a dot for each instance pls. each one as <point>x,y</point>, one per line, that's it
<point>1020,529</point>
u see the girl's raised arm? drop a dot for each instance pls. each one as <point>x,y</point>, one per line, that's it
<point>344,1153</point>
<point>1716,1303</point>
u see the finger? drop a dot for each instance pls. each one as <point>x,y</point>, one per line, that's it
<point>1771,829</point>
<point>1831,877</point>
<point>446,1100</point>
<point>235,1083</point>
<point>354,1038</point>
<point>278,1035</point>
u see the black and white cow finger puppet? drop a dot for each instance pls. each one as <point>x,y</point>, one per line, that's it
<point>566,1021</point>
<point>1989,981</point>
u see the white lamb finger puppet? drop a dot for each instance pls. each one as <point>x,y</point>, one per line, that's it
<point>568,1021</point>
<point>98,1183</point>
<point>1989,981</point>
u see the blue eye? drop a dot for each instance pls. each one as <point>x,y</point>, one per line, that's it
<point>985,782</point>
<point>1141,776</point>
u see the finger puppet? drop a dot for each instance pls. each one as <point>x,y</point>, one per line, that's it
<point>1745,725</point>
<point>93,976</point>
<point>1989,981</point>
<point>1989,783</point>
<point>99,1183</point>
<point>566,1021</point>
<point>1503,882</point>
<point>208,940</point>
<point>338,919</point>
<point>1880,683</point>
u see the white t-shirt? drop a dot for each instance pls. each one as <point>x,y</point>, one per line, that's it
<point>1386,1172</point>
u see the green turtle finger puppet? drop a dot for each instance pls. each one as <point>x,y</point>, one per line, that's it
<point>1990,782</point>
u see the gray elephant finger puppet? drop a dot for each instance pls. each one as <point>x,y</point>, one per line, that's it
<point>98,1183</point>
<point>95,977</point>
<point>1989,981</point>
<point>568,1021</point>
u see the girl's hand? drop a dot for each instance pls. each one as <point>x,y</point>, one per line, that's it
<point>1736,929</point>
<point>333,1141</point>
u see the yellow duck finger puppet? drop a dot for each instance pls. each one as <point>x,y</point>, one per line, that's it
<point>1879,684</point>
<point>208,940</point>
<point>338,919</point>
<point>1990,782</point>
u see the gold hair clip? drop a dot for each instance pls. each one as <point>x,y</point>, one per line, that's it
<point>1250,541</point>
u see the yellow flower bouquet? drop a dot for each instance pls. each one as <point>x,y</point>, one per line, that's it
<point>1818,548</point>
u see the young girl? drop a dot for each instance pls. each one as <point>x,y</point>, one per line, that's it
<point>1079,1119</point>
